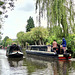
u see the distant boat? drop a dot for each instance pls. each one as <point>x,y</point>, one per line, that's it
<point>14,51</point>
<point>46,51</point>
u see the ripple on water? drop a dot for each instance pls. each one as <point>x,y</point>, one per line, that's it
<point>18,70</point>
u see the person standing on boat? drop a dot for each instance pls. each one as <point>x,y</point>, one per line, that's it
<point>54,45</point>
<point>64,44</point>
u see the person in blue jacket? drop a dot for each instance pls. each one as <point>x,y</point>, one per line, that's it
<point>64,44</point>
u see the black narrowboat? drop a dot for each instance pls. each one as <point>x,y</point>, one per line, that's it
<point>47,51</point>
<point>14,51</point>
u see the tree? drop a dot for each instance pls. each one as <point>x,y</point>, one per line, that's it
<point>9,42</point>
<point>21,39</point>
<point>30,24</point>
<point>39,35</point>
<point>4,41</point>
<point>24,38</point>
<point>58,12</point>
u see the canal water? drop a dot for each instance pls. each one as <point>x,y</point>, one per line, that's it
<point>34,66</point>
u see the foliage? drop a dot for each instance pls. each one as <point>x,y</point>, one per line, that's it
<point>24,38</point>
<point>37,35</point>
<point>50,39</point>
<point>56,31</point>
<point>71,42</point>
<point>28,38</point>
<point>30,24</point>
<point>1,3</point>
<point>3,6</point>
<point>6,41</point>
<point>60,20</point>
<point>20,37</point>
<point>6,38</point>
<point>58,13</point>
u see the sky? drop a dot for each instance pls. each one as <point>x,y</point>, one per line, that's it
<point>17,19</point>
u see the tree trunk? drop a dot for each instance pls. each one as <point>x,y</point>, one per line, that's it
<point>39,41</point>
<point>35,43</point>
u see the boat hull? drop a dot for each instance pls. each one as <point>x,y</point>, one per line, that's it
<point>64,56</point>
<point>49,54</point>
<point>15,55</point>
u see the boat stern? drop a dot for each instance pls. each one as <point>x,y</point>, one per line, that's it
<point>64,56</point>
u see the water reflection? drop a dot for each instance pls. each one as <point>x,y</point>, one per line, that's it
<point>64,67</point>
<point>41,67</point>
<point>35,66</point>
<point>16,66</point>
<point>15,62</point>
<point>32,66</point>
<point>4,65</point>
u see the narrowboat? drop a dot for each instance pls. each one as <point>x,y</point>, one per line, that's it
<point>47,51</point>
<point>14,51</point>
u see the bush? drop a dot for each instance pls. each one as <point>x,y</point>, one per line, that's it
<point>71,43</point>
<point>50,39</point>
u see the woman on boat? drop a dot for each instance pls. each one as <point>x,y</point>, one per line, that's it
<point>64,44</point>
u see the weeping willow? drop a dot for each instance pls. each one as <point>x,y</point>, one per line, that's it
<point>71,17</point>
<point>59,13</point>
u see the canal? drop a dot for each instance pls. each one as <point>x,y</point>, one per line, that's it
<point>34,66</point>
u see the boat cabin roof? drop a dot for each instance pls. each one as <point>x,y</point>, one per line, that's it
<point>38,47</point>
<point>14,47</point>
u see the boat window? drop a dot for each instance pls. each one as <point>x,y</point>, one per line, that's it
<point>43,48</point>
<point>40,48</point>
<point>34,48</point>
